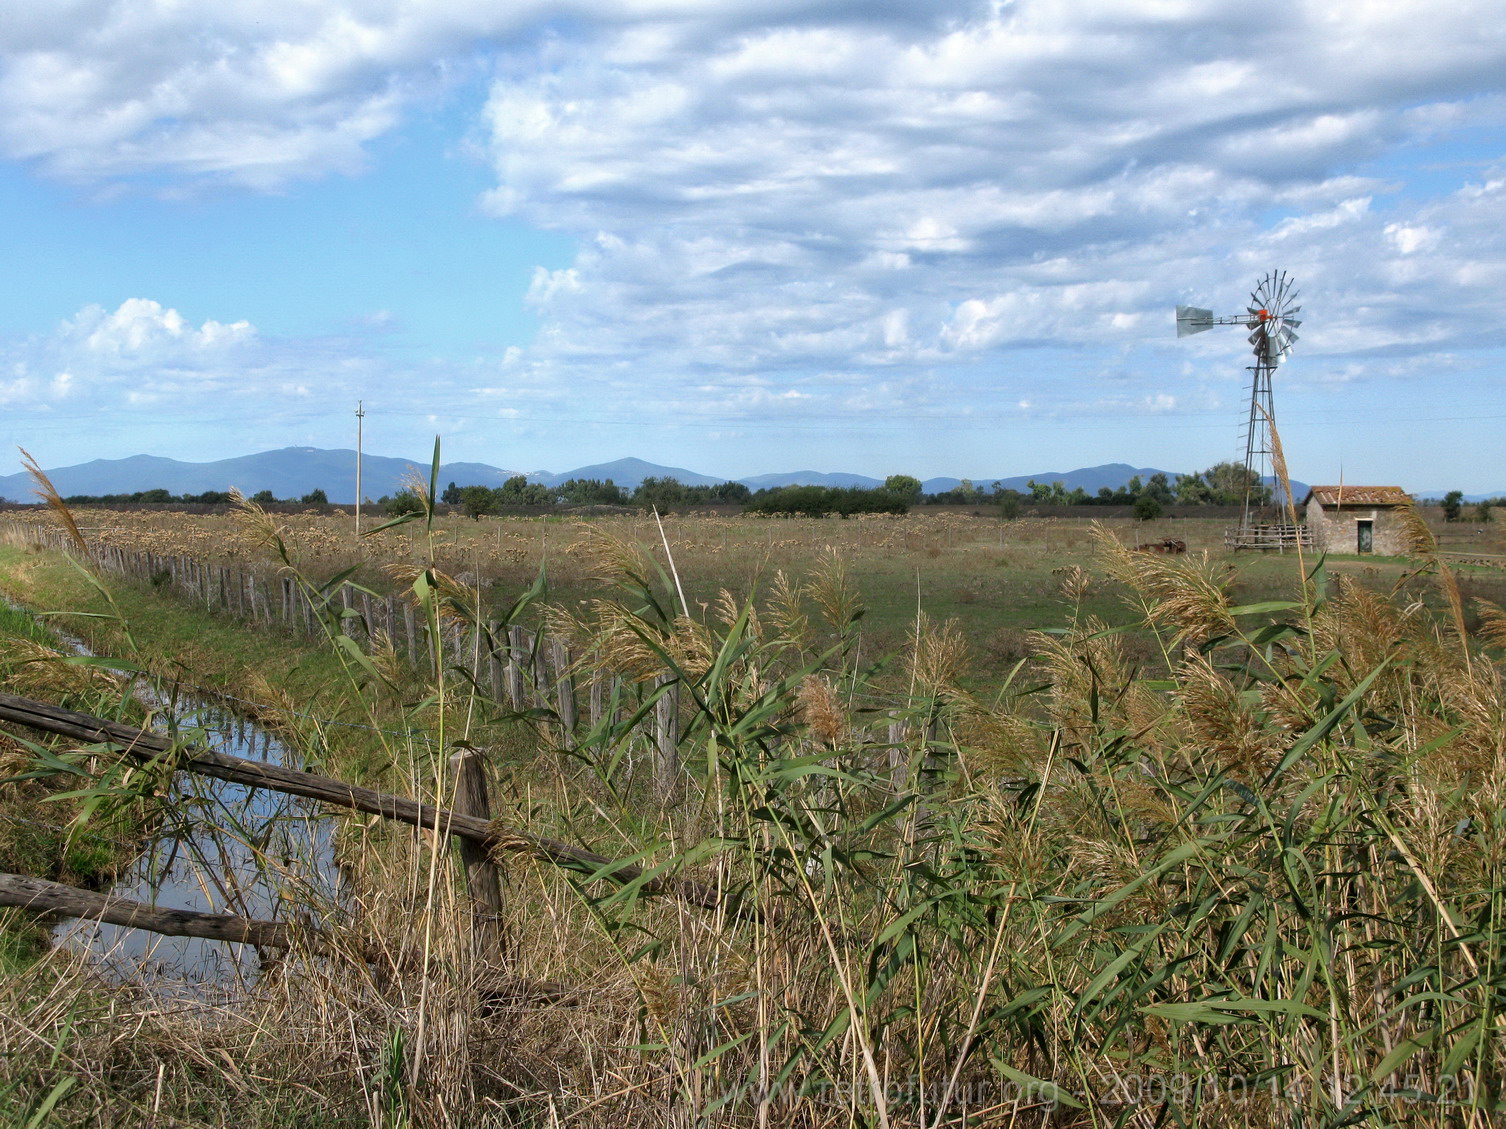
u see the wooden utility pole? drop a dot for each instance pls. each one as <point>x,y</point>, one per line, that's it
<point>360,418</point>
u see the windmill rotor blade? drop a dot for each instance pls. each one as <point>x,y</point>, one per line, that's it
<point>1270,317</point>
<point>1193,319</point>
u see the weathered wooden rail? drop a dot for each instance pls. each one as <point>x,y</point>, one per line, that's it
<point>494,837</point>
<point>42,896</point>
<point>1279,536</point>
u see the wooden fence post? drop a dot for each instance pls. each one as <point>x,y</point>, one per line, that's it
<point>483,881</point>
<point>517,655</point>
<point>667,739</point>
<point>538,650</point>
<point>564,689</point>
<point>899,762</point>
<point>598,693</point>
<point>496,680</point>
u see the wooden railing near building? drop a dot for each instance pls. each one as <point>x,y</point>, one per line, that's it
<point>1280,537</point>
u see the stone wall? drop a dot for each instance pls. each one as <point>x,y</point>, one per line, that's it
<point>1335,529</point>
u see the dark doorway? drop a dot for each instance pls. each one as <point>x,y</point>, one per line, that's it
<point>1366,531</point>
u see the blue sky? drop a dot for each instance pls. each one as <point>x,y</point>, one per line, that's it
<point>939,237</point>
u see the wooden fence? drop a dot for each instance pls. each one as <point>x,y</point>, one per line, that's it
<point>469,821</point>
<point>524,669</point>
<point>1278,536</point>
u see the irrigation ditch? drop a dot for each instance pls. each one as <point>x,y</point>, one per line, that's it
<point>525,669</point>
<point>467,821</point>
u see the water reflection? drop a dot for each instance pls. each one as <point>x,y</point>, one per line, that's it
<point>222,848</point>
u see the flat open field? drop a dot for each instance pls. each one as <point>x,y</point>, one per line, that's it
<point>997,579</point>
<point>1262,887</point>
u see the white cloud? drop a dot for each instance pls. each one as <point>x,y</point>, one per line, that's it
<point>845,208</point>
<point>142,328</point>
<point>264,94</point>
<point>783,198</point>
<point>145,353</point>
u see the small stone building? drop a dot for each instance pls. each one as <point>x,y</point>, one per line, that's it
<point>1358,519</point>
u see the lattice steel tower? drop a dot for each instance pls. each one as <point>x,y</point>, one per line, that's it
<point>1272,322</point>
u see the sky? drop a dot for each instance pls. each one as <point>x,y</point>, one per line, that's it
<point>931,237</point>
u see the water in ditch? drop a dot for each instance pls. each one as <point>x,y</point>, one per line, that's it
<point>221,848</point>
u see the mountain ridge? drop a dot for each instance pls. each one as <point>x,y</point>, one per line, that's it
<point>292,472</point>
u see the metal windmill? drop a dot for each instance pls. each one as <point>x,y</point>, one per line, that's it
<point>1272,322</point>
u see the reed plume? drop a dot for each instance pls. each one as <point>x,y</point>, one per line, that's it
<point>48,493</point>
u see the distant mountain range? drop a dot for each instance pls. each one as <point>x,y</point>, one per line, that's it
<point>295,471</point>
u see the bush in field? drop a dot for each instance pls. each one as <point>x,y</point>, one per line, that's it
<point>593,492</point>
<point>667,493</point>
<point>403,502</point>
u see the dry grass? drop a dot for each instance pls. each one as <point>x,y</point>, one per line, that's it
<point>1265,888</point>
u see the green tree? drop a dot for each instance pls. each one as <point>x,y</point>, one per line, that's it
<point>1009,502</point>
<point>451,495</point>
<point>660,493</point>
<point>818,501</point>
<point>403,502</point>
<point>727,492</point>
<point>263,497</point>
<point>315,497</point>
<point>1222,484</point>
<point>1159,489</point>
<point>477,500</point>
<point>1482,512</point>
<point>1147,508</point>
<point>1191,490</point>
<point>1453,503</point>
<point>593,492</point>
<point>905,487</point>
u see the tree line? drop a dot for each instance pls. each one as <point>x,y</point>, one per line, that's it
<point>1453,507</point>
<point>159,495</point>
<point>1221,484</point>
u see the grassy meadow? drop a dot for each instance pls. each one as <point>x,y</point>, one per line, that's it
<point>998,579</point>
<point>1052,833</point>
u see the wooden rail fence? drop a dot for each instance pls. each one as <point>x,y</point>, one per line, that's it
<point>481,838</point>
<point>1277,535</point>
<point>524,669</point>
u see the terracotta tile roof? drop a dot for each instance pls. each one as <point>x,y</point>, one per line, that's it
<point>1357,496</point>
